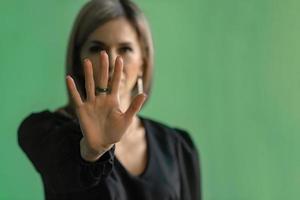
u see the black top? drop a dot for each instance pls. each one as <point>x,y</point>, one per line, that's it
<point>51,142</point>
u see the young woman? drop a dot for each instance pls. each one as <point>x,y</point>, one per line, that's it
<point>97,146</point>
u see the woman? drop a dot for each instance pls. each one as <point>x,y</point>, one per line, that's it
<point>97,147</point>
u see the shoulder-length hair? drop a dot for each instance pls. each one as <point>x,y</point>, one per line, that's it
<point>94,14</point>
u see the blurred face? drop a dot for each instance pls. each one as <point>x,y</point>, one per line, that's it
<point>118,38</point>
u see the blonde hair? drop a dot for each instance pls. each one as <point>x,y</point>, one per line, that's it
<point>94,14</point>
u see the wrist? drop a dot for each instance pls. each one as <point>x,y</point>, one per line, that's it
<point>89,154</point>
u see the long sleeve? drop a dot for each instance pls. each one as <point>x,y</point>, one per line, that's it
<point>189,166</point>
<point>53,146</point>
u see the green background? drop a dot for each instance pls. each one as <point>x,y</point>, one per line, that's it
<point>227,71</point>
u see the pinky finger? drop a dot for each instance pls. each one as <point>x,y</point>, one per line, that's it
<point>73,90</point>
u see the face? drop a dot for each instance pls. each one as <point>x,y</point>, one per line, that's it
<point>118,38</point>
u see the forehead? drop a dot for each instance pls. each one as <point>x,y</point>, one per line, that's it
<point>115,31</point>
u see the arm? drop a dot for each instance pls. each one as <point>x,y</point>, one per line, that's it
<point>189,166</point>
<point>54,150</point>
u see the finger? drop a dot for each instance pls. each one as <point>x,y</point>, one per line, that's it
<point>89,80</point>
<point>73,90</point>
<point>104,65</point>
<point>135,106</point>
<point>117,76</point>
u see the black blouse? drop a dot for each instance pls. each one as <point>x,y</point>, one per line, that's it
<point>51,142</point>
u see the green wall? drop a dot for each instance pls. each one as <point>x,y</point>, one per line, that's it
<point>227,71</point>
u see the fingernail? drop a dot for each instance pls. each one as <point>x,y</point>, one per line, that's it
<point>102,52</point>
<point>120,59</point>
<point>86,60</point>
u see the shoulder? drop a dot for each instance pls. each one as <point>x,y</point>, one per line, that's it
<point>34,119</point>
<point>41,121</point>
<point>184,139</point>
<point>170,134</point>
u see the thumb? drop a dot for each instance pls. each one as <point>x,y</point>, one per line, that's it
<point>135,106</point>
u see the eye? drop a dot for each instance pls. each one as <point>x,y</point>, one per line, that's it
<point>126,49</point>
<point>95,49</point>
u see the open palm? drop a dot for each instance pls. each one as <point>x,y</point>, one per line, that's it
<point>101,120</point>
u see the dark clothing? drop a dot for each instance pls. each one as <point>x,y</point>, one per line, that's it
<point>51,142</point>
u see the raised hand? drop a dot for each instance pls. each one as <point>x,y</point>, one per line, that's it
<point>101,120</point>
